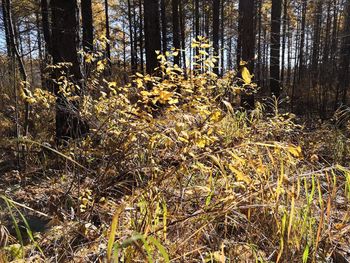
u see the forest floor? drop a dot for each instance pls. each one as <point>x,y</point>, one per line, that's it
<point>196,182</point>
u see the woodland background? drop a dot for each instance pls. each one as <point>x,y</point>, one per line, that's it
<point>172,130</point>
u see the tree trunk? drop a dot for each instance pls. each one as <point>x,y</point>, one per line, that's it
<point>135,35</point>
<point>275,47</point>
<point>132,51</point>
<point>65,49</point>
<point>87,23</point>
<point>344,71</point>
<point>196,14</point>
<point>259,66</point>
<point>316,40</point>
<point>17,55</point>
<point>302,41</point>
<point>183,36</point>
<point>40,49</point>
<point>46,26</point>
<point>176,29</point>
<point>284,37</point>
<point>6,28</point>
<point>216,28</point>
<point>222,34</point>
<point>152,34</point>
<point>246,40</point>
<point>108,45</point>
<point>141,36</point>
<point>164,26</point>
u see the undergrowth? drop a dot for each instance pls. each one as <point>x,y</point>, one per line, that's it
<point>173,171</point>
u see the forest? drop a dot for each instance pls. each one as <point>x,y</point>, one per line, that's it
<point>175,131</point>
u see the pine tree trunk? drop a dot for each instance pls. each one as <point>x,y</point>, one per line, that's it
<point>141,36</point>
<point>164,26</point>
<point>183,36</point>
<point>222,34</point>
<point>87,24</point>
<point>344,72</point>
<point>216,28</point>
<point>131,35</point>
<point>284,37</point>
<point>275,48</point>
<point>16,54</point>
<point>152,34</point>
<point>46,26</point>
<point>176,29</point>
<point>6,28</point>
<point>65,49</point>
<point>108,71</point>
<point>246,41</point>
<point>302,41</point>
<point>196,14</point>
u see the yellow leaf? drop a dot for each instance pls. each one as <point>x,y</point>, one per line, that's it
<point>164,96</point>
<point>246,76</point>
<point>295,151</point>
<point>100,66</point>
<point>239,175</point>
<point>173,101</point>
<point>205,46</point>
<point>215,116</point>
<point>139,75</point>
<point>201,143</point>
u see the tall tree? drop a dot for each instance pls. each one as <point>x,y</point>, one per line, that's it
<point>344,76</point>
<point>222,35</point>
<point>87,24</point>
<point>275,47</point>
<point>183,36</point>
<point>46,26</point>
<point>108,36</point>
<point>132,40</point>
<point>176,29</point>
<point>65,49</point>
<point>302,40</point>
<point>216,25</point>
<point>196,14</point>
<point>16,54</point>
<point>141,35</point>
<point>284,38</point>
<point>152,34</point>
<point>245,44</point>
<point>164,26</point>
<point>6,28</point>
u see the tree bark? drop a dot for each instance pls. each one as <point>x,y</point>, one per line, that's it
<point>87,23</point>
<point>152,34</point>
<point>302,41</point>
<point>275,48</point>
<point>216,28</point>
<point>176,30</point>
<point>46,26</point>
<point>246,40</point>
<point>222,34</point>
<point>196,14</point>
<point>17,55</point>
<point>131,36</point>
<point>141,36</point>
<point>65,49</point>
<point>183,36</point>
<point>108,45</point>
<point>344,72</point>
<point>6,28</point>
<point>164,26</point>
